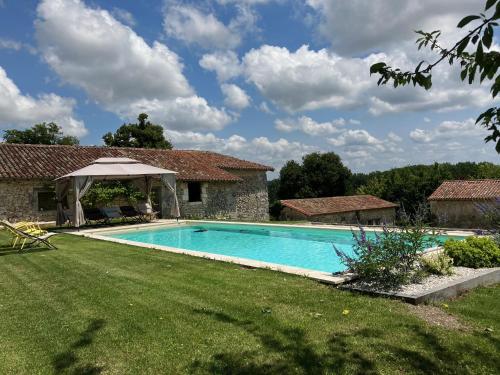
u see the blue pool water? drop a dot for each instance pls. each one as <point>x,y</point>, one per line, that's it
<point>309,248</point>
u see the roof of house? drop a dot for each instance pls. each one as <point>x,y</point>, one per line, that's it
<point>19,161</point>
<point>332,205</point>
<point>467,190</point>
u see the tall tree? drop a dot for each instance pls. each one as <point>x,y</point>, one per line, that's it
<point>144,134</point>
<point>483,63</point>
<point>40,134</point>
<point>325,174</point>
<point>320,175</point>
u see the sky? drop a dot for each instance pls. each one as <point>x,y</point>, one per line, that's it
<point>264,80</point>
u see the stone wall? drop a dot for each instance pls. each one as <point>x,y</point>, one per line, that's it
<point>458,214</point>
<point>18,200</point>
<point>371,217</point>
<point>245,200</point>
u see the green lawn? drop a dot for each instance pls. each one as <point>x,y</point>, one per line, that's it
<point>97,307</point>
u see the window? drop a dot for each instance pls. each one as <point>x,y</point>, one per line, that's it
<point>194,191</point>
<point>46,201</point>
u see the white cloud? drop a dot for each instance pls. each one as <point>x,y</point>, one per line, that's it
<point>6,43</point>
<point>124,16</point>
<point>354,122</point>
<point>225,64</point>
<point>235,97</point>
<point>23,111</point>
<point>274,153</point>
<point>305,79</point>
<point>193,26</point>
<point>394,137</point>
<point>90,49</point>
<point>264,107</point>
<point>308,126</point>
<point>192,113</point>
<point>310,80</point>
<point>448,131</point>
<point>359,26</point>
<point>357,137</point>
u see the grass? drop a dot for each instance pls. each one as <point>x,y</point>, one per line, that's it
<point>96,307</point>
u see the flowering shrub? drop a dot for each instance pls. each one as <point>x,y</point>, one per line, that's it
<point>390,258</point>
<point>440,264</point>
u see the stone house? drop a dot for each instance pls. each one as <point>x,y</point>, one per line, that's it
<point>461,203</point>
<point>209,185</point>
<point>362,209</point>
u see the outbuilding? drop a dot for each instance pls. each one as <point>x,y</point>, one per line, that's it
<point>463,203</point>
<point>362,209</point>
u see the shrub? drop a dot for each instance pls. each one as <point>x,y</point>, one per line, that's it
<point>474,252</point>
<point>440,264</point>
<point>391,258</point>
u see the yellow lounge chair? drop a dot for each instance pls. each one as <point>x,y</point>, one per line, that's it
<point>27,238</point>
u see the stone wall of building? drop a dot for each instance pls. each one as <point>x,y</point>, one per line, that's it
<point>19,200</point>
<point>245,200</point>
<point>370,217</point>
<point>459,214</point>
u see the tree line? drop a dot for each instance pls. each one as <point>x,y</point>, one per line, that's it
<point>324,175</point>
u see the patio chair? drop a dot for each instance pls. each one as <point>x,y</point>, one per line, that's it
<point>147,211</point>
<point>112,212</point>
<point>94,215</point>
<point>131,213</point>
<point>27,239</point>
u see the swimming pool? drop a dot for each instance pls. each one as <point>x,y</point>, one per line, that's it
<point>307,248</point>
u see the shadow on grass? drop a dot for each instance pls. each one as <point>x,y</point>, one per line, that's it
<point>63,361</point>
<point>9,250</point>
<point>288,350</point>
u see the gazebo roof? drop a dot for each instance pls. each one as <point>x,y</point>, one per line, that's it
<point>118,168</point>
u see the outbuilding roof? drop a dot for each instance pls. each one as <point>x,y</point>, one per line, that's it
<point>467,190</point>
<point>19,161</point>
<point>332,205</point>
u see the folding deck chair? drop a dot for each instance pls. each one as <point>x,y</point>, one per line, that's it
<point>27,239</point>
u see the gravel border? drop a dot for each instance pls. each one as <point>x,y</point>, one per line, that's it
<point>433,287</point>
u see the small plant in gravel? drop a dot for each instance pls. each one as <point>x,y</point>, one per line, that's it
<point>391,258</point>
<point>474,252</point>
<point>440,264</point>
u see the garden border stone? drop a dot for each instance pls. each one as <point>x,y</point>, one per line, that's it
<point>439,293</point>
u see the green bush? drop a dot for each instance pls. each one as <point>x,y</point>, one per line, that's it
<point>440,264</point>
<point>474,252</point>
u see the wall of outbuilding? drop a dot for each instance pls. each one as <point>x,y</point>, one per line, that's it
<point>460,213</point>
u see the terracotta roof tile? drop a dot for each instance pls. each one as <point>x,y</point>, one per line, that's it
<point>331,205</point>
<point>50,162</point>
<point>467,190</point>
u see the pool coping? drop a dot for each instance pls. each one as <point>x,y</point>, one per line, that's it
<point>321,276</point>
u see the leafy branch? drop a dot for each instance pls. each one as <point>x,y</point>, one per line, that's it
<point>483,63</point>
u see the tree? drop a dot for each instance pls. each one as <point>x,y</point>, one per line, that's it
<point>484,63</point>
<point>143,135</point>
<point>40,134</point>
<point>325,174</point>
<point>320,175</point>
<point>292,181</point>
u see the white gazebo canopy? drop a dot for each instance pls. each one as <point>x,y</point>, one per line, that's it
<point>110,169</point>
<point>118,169</point>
